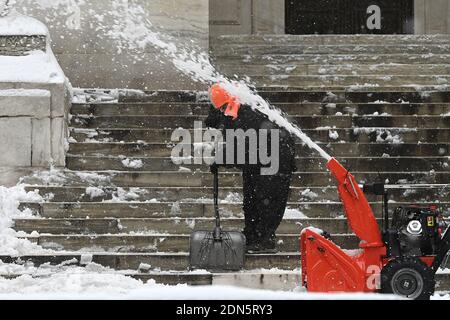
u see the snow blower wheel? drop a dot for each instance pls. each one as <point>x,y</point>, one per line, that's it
<point>409,278</point>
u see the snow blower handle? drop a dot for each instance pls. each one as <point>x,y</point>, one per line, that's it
<point>217,229</point>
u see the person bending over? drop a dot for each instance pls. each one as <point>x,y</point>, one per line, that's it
<point>265,194</point>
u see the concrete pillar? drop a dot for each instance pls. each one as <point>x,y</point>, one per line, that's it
<point>34,101</point>
<point>268,17</point>
<point>432,17</point>
<point>246,17</point>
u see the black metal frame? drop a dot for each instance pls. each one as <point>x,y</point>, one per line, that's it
<point>379,189</point>
<point>346,16</point>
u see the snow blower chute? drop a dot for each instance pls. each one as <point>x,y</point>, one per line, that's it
<point>402,258</point>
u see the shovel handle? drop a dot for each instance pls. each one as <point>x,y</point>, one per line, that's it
<point>215,171</point>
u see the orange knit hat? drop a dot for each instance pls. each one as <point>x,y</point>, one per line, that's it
<point>220,97</point>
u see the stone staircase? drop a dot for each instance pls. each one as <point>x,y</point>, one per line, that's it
<point>138,219</point>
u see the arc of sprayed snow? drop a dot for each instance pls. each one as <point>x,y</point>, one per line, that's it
<point>199,68</point>
<point>258,103</point>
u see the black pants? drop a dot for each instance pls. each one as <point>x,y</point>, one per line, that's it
<point>265,199</point>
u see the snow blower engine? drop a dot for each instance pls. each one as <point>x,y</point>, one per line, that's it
<point>402,258</point>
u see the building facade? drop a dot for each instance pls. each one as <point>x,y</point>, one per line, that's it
<point>81,30</point>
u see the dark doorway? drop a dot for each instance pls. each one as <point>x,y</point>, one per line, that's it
<point>349,17</point>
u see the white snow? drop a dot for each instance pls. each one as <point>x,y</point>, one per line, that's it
<point>134,30</point>
<point>133,164</point>
<point>291,213</point>
<point>233,197</point>
<point>24,93</point>
<point>333,135</point>
<point>313,229</point>
<point>67,282</point>
<point>93,281</point>
<point>84,285</point>
<point>10,199</point>
<point>16,24</point>
<point>94,192</point>
<point>122,195</point>
<point>37,67</point>
<point>309,194</point>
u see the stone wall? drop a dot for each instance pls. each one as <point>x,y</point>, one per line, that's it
<point>20,45</point>
<point>90,58</point>
<point>267,17</point>
<point>432,17</point>
<point>246,17</point>
<point>34,103</point>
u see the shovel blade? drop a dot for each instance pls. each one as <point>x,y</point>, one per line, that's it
<point>224,254</point>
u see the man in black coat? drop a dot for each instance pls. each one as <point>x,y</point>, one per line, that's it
<point>265,196</point>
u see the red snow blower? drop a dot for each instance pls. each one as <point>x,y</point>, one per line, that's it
<point>402,258</point>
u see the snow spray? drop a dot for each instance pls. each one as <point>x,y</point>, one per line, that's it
<point>134,30</point>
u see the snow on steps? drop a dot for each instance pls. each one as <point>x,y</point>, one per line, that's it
<point>134,125</point>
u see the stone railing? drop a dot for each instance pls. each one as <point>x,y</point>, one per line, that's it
<point>34,100</point>
<point>17,45</point>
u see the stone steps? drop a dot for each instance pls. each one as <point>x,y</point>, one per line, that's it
<point>333,59</point>
<point>332,39</point>
<point>301,95</point>
<point>170,261</point>
<point>73,194</point>
<point>352,81</point>
<point>337,85</point>
<point>84,162</point>
<point>152,226</point>
<point>356,135</point>
<point>339,70</point>
<point>292,109</point>
<point>257,279</point>
<point>307,122</point>
<point>290,48</point>
<point>183,209</point>
<point>157,261</point>
<point>293,95</point>
<point>173,243</point>
<point>228,179</point>
<point>337,149</point>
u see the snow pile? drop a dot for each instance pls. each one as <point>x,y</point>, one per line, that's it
<point>15,24</point>
<point>122,195</point>
<point>10,199</point>
<point>333,135</point>
<point>37,67</point>
<point>290,213</point>
<point>94,192</point>
<point>95,96</point>
<point>96,282</point>
<point>233,197</point>
<point>132,164</point>
<point>307,193</point>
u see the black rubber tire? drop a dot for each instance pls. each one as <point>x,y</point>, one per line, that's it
<point>399,274</point>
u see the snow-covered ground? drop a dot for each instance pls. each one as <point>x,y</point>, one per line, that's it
<point>92,281</point>
<point>68,281</point>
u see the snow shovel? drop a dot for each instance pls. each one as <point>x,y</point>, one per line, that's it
<point>217,250</point>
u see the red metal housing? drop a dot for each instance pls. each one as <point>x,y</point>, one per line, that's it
<point>328,268</point>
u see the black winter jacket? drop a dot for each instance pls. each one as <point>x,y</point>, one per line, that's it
<point>251,119</point>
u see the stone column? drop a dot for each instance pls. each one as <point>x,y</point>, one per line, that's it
<point>268,17</point>
<point>91,58</point>
<point>432,17</point>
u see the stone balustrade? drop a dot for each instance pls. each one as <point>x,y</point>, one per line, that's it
<point>34,101</point>
<point>19,45</point>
